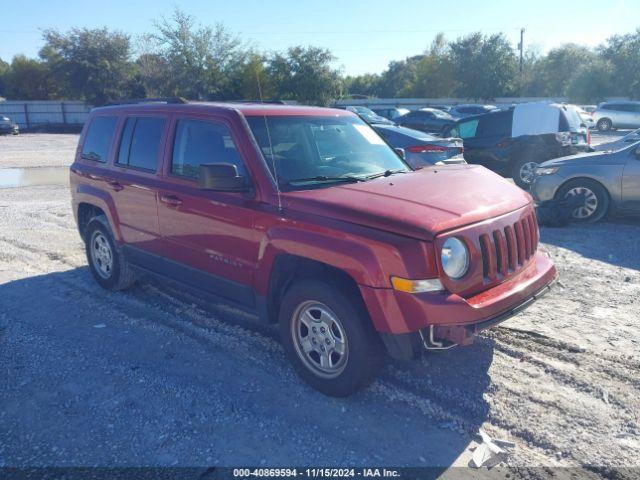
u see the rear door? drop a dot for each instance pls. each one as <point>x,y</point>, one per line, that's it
<point>208,235</point>
<point>134,180</point>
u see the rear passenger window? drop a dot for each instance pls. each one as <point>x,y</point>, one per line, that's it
<point>496,125</point>
<point>98,138</point>
<point>140,143</point>
<point>199,142</point>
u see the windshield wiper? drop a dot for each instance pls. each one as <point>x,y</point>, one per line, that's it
<point>324,178</point>
<point>386,173</point>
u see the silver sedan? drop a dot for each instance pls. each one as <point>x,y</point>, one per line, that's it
<point>604,180</point>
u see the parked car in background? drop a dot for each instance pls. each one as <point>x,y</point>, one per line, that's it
<point>466,110</point>
<point>513,142</point>
<point>7,126</point>
<point>421,149</point>
<point>588,108</point>
<point>306,217</point>
<point>391,113</point>
<point>369,115</point>
<point>617,114</point>
<point>444,108</point>
<point>604,180</point>
<point>622,142</point>
<point>430,120</point>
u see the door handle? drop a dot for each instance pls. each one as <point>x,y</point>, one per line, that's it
<point>114,185</point>
<point>171,200</point>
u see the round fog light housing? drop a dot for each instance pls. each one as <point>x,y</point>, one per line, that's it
<point>454,257</point>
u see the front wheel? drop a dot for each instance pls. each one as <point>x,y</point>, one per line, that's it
<point>594,199</point>
<point>328,337</point>
<point>523,172</point>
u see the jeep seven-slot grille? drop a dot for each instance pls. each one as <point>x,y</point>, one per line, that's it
<point>505,251</point>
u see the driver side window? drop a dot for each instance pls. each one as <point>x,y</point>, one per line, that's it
<point>200,142</point>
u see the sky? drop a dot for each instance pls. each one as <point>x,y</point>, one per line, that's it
<point>363,35</point>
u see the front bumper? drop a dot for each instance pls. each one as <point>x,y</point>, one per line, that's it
<point>396,312</point>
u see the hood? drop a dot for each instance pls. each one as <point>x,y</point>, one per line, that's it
<point>618,157</point>
<point>418,204</point>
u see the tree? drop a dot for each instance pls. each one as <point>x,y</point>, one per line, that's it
<point>305,75</point>
<point>196,61</point>
<point>434,71</point>
<point>623,54</point>
<point>556,69</point>
<point>28,79</point>
<point>4,72</point>
<point>91,64</point>
<point>484,67</point>
<point>367,84</point>
<point>591,82</point>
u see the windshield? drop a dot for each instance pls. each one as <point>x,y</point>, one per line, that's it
<point>323,148</point>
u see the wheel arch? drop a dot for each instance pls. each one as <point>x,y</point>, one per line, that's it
<point>582,178</point>
<point>89,200</point>
<point>287,268</point>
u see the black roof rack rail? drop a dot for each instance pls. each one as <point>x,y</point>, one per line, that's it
<point>132,101</point>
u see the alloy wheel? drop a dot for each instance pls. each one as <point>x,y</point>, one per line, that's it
<point>319,339</point>
<point>590,205</point>
<point>528,172</point>
<point>101,254</point>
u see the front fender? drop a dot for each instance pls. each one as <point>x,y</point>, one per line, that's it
<point>355,258</point>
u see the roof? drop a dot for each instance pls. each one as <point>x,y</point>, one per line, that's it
<point>246,109</point>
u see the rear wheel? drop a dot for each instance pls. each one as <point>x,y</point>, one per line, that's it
<point>595,204</point>
<point>328,338</point>
<point>108,266</point>
<point>604,124</point>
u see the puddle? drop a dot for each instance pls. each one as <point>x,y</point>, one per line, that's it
<point>29,177</point>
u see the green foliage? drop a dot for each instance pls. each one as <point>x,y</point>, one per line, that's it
<point>92,64</point>
<point>623,53</point>
<point>589,82</point>
<point>484,67</point>
<point>189,60</point>
<point>305,75</point>
<point>183,58</point>
<point>27,79</point>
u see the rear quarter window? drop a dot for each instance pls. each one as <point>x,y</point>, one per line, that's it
<point>98,139</point>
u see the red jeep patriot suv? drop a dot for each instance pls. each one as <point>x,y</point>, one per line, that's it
<point>306,216</point>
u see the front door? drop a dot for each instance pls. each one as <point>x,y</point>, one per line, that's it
<point>208,235</point>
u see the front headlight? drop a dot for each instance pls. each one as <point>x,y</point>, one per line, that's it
<point>454,257</point>
<point>546,170</point>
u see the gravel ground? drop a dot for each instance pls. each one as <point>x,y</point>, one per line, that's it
<point>154,376</point>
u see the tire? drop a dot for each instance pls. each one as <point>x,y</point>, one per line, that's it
<point>604,124</point>
<point>344,336</point>
<point>106,261</point>
<point>523,171</point>
<point>597,200</point>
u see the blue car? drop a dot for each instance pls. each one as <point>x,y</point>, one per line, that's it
<point>422,149</point>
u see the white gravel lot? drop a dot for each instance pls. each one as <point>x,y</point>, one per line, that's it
<point>153,376</point>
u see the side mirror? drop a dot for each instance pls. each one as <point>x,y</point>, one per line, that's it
<point>400,152</point>
<point>221,177</point>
